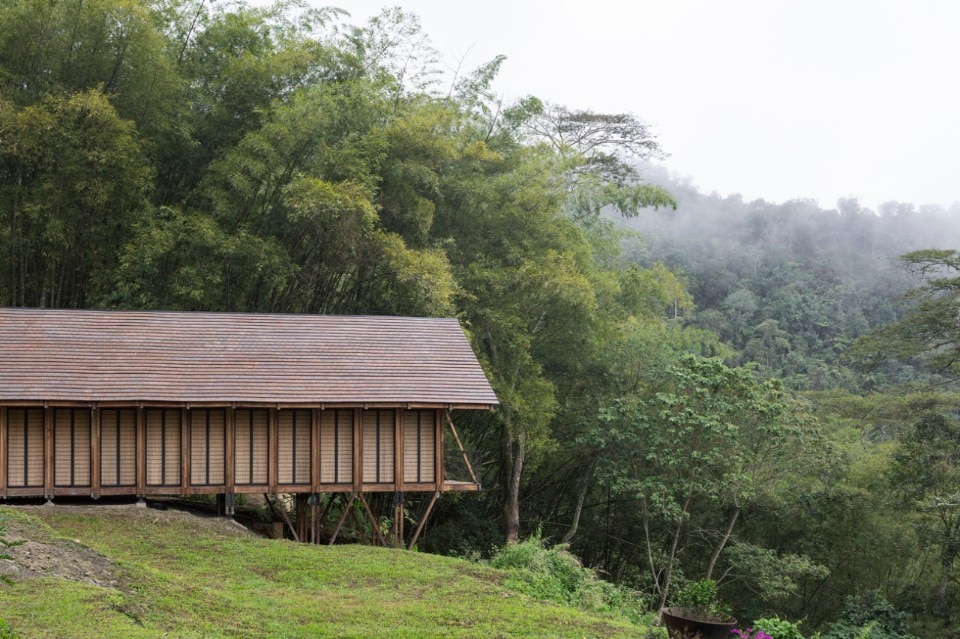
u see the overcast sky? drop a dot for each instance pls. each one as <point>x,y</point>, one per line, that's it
<point>768,98</point>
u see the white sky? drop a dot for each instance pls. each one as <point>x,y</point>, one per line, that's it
<point>768,98</point>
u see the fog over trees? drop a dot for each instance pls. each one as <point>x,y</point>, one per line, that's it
<point>691,385</point>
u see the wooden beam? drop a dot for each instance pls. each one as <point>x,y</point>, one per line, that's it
<point>95,452</point>
<point>343,518</point>
<point>314,450</point>
<point>186,418</point>
<point>229,456</point>
<point>357,450</point>
<point>373,521</point>
<point>273,445</point>
<point>453,429</point>
<point>4,463</point>
<point>438,469</point>
<point>283,514</point>
<point>141,452</point>
<point>423,521</point>
<point>398,470</point>
<point>48,456</point>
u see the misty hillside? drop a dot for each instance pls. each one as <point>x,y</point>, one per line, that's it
<point>791,285</point>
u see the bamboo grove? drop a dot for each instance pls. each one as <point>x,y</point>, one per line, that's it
<point>188,155</point>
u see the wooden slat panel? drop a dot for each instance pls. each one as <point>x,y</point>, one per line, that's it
<point>118,447</point>
<point>71,443</point>
<point>293,453</point>
<point>418,446</point>
<point>251,447</point>
<point>336,447</point>
<point>163,447</point>
<point>378,429</point>
<point>25,452</point>
<point>208,447</point>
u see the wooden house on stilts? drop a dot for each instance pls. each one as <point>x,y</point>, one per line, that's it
<point>331,409</point>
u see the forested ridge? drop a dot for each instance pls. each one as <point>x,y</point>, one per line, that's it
<point>691,386</point>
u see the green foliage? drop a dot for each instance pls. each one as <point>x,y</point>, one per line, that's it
<point>869,615</point>
<point>180,576</point>
<point>701,599</point>
<point>778,628</point>
<point>7,631</point>
<point>925,474</point>
<point>554,574</point>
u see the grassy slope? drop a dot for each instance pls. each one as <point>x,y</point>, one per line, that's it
<point>179,578</point>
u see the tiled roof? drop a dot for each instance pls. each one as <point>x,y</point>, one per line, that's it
<point>144,356</point>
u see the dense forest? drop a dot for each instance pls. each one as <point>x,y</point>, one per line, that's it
<point>691,386</point>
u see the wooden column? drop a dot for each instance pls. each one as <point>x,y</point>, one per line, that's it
<point>4,462</point>
<point>438,449</point>
<point>229,456</point>
<point>95,452</point>
<point>357,450</point>
<point>185,419</point>
<point>48,456</point>
<point>141,452</point>
<point>398,449</point>
<point>315,450</point>
<point>273,446</point>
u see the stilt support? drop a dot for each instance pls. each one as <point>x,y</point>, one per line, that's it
<point>423,521</point>
<point>279,511</point>
<point>347,509</point>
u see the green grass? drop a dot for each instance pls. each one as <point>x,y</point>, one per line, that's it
<point>180,578</point>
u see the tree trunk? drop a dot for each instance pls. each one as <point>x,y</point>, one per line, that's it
<point>722,544</point>
<point>513,450</point>
<point>581,497</point>
<point>668,577</point>
<point>944,586</point>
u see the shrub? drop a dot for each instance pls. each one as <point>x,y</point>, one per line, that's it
<point>555,574</point>
<point>778,628</point>
<point>869,616</point>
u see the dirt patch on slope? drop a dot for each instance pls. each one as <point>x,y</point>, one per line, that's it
<point>45,554</point>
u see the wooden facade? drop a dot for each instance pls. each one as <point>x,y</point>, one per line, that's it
<point>154,450</point>
<point>96,403</point>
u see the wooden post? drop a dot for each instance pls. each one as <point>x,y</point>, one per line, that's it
<point>4,462</point>
<point>229,456</point>
<point>185,419</point>
<point>315,450</point>
<point>453,429</point>
<point>343,518</point>
<point>301,511</point>
<point>438,469</point>
<point>273,447</point>
<point>398,476</point>
<point>95,452</point>
<point>357,450</point>
<point>373,521</point>
<point>423,521</point>
<point>48,456</point>
<point>141,451</point>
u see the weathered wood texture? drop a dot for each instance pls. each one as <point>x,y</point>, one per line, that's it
<point>185,451</point>
<point>156,357</point>
<point>109,402</point>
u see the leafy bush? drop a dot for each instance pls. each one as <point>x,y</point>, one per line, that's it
<point>555,574</point>
<point>869,616</point>
<point>778,628</point>
<point>702,599</point>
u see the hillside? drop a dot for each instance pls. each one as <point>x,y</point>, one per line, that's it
<point>122,571</point>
